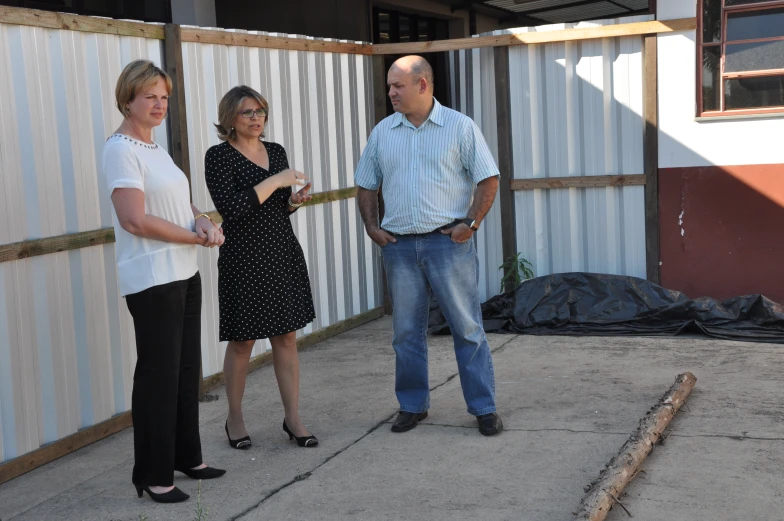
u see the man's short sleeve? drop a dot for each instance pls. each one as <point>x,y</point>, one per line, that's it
<point>475,154</point>
<point>121,168</point>
<point>368,174</point>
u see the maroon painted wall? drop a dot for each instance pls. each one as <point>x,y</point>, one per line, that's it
<point>733,230</point>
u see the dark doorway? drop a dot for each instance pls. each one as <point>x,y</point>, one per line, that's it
<point>142,10</point>
<point>397,27</point>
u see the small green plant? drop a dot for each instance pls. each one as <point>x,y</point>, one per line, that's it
<point>201,513</point>
<point>516,269</point>
<point>142,517</point>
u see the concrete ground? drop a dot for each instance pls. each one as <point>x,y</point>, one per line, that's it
<point>568,405</point>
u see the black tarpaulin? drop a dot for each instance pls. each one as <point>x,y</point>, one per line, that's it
<point>610,305</point>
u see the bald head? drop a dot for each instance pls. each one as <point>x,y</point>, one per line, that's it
<point>417,67</point>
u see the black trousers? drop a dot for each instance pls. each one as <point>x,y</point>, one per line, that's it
<point>167,322</point>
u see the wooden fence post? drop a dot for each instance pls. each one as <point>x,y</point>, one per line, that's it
<point>178,117</point>
<point>505,160</point>
<point>651,159</point>
<point>178,121</point>
<point>380,112</point>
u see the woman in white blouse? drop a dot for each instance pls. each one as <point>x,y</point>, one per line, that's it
<point>157,231</point>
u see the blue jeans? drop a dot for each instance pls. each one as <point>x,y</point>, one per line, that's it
<point>415,265</point>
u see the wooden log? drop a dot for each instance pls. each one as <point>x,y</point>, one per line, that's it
<point>603,493</point>
<point>528,38</point>
<point>73,22</point>
<point>587,181</point>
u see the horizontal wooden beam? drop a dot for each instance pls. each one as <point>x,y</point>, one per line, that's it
<point>318,198</point>
<point>71,241</point>
<point>528,38</point>
<point>72,22</point>
<point>332,196</point>
<point>220,37</point>
<point>34,459</point>
<point>589,181</point>
<point>75,241</point>
<point>216,380</point>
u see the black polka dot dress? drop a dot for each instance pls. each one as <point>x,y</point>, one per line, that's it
<point>263,286</point>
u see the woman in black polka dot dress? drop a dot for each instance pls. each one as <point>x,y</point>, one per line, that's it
<point>263,285</point>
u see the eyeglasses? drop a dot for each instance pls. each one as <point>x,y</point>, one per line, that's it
<point>260,113</point>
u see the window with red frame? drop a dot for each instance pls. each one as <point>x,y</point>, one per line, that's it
<point>741,52</point>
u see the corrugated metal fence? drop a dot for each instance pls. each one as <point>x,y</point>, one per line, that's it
<point>321,110</point>
<point>576,111</point>
<point>67,348</point>
<point>66,340</point>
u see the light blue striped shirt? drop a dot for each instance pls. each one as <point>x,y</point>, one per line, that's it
<point>428,173</point>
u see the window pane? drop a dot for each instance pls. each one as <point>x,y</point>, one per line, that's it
<point>751,25</point>
<point>711,21</point>
<point>711,74</point>
<point>383,28</point>
<point>405,33</point>
<point>752,93</point>
<point>423,30</point>
<point>757,56</point>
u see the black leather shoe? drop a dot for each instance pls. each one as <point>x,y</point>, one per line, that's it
<point>490,424</point>
<point>407,421</point>
<point>205,473</point>
<point>175,495</point>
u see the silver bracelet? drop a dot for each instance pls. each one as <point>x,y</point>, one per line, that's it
<point>294,205</point>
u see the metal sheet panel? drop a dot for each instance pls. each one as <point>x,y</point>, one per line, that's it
<point>576,110</point>
<point>321,112</point>
<point>66,339</point>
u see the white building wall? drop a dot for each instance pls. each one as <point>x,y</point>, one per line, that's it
<point>685,140</point>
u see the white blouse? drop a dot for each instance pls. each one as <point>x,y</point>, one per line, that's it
<point>143,263</point>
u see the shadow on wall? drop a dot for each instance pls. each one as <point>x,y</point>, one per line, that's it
<point>721,230</point>
<point>578,111</point>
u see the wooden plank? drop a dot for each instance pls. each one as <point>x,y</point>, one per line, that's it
<point>565,35</point>
<point>651,160</point>
<point>216,380</point>
<point>590,181</point>
<point>318,198</point>
<point>503,105</point>
<point>71,241</point>
<point>72,22</point>
<point>27,462</point>
<point>220,37</point>
<point>178,122</point>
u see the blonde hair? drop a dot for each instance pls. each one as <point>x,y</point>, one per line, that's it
<point>136,76</point>
<point>229,106</point>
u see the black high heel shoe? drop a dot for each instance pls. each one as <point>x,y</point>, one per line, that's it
<point>205,473</point>
<point>304,441</point>
<point>242,443</point>
<point>173,496</point>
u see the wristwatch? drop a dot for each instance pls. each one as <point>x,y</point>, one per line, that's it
<point>471,223</point>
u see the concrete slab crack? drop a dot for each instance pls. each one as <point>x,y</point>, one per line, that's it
<point>306,475</point>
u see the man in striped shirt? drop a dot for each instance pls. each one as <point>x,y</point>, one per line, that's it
<point>438,180</point>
